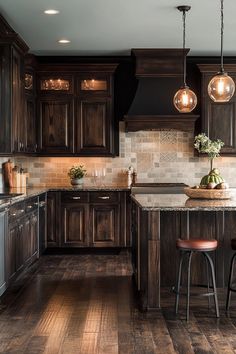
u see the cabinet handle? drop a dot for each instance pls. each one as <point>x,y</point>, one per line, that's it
<point>105,197</point>
<point>75,198</point>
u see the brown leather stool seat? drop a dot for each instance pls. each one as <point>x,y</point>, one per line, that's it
<point>198,244</point>
<point>233,244</point>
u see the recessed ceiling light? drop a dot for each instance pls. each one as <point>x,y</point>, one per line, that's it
<point>51,12</point>
<point>63,41</point>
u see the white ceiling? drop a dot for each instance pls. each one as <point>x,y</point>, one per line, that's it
<point>113,27</point>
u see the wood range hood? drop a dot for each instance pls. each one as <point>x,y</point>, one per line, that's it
<point>159,74</point>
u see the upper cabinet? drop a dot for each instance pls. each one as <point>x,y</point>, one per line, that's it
<point>218,120</point>
<point>30,105</point>
<point>75,110</point>
<point>12,108</point>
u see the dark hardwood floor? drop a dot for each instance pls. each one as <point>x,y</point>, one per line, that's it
<point>85,304</point>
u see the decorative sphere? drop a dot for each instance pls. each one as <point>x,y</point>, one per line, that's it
<point>221,88</point>
<point>185,100</point>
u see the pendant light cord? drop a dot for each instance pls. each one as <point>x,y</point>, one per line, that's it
<point>221,36</point>
<point>184,56</point>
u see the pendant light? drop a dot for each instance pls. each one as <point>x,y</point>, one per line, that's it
<point>221,87</point>
<point>185,99</point>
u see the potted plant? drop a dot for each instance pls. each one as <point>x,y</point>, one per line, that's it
<point>76,174</point>
<point>212,148</point>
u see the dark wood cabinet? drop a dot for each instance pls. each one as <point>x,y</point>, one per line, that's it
<point>42,224</point>
<point>105,225</point>
<point>22,237</point>
<point>18,100</point>
<point>75,110</point>
<point>31,133</point>
<point>75,225</point>
<point>11,252</point>
<point>218,120</point>
<point>56,126</point>
<point>95,127</point>
<point>12,122</point>
<point>91,219</point>
<point>53,219</point>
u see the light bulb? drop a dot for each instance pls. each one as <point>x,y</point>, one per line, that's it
<point>221,87</point>
<point>185,100</point>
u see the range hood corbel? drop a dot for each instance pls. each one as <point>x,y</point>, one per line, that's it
<point>159,72</point>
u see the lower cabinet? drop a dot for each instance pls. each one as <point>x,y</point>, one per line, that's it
<point>53,219</point>
<point>2,251</point>
<point>75,225</point>
<point>92,219</point>
<point>22,238</point>
<point>105,225</point>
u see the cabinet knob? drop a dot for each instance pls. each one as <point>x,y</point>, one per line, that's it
<point>75,198</point>
<point>105,197</point>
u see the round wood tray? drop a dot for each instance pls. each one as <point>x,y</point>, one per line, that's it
<point>207,193</point>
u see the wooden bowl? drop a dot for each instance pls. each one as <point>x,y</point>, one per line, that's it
<point>198,193</point>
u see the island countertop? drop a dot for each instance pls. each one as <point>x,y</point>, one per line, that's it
<point>178,202</point>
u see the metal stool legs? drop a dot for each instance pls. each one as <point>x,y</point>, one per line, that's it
<point>177,289</point>
<point>230,289</point>
<point>209,263</point>
<point>213,283</point>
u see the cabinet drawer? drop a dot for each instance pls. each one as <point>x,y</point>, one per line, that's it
<point>16,211</point>
<point>74,197</point>
<point>31,204</point>
<point>104,197</point>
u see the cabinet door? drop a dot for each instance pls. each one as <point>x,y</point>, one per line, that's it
<point>75,223</point>
<point>53,220</point>
<point>105,225</point>
<point>2,253</point>
<point>95,127</point>
<point>219,122</point>
<point>26,239</point>
<point>31,137</point>
<point>11,251</point>
<point>42,225</point>
<point>33,234</point>
<point>56,126</point>
<point>18,103</point>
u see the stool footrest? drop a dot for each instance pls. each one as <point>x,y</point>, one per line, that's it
<point>192,294</point>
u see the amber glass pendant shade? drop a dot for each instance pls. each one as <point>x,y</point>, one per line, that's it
<point>185,100</point>
<point>221,87</point>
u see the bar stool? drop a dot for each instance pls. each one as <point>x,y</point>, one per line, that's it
<point>187,248</point>
<point>230,288</point>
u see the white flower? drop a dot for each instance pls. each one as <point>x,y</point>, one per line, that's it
<point>204,145</point>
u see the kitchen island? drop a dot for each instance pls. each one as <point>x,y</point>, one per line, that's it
<point>158,220</point>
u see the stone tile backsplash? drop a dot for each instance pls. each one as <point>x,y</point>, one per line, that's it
<point>158,156</point>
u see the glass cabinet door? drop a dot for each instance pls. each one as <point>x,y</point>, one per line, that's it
<point>55,84</point>
<point>93,85</point>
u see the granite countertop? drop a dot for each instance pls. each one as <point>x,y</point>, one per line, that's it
<point>36,191</point>
<point>178,202</point>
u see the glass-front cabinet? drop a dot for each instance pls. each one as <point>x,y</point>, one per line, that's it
<point>94,84</point>
<point>55,84</point>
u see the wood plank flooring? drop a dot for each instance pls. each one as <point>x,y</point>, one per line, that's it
<point>86,304</point>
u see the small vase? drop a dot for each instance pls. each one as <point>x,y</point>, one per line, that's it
<point>76,181</point>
